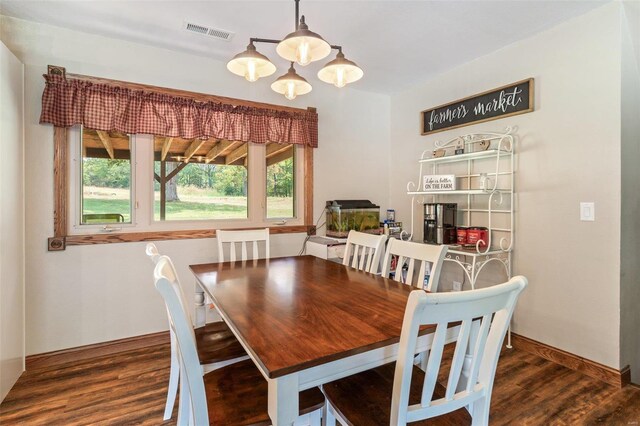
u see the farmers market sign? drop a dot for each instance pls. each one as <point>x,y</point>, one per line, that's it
<point>516,98</point>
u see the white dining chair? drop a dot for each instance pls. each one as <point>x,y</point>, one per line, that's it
<point>427,258</point>
<point>152,252</point>
<point>364,251</point>
<point>242,238</point>
<point>217,345</point>
<point>234,394</point>
<point>416,395</point>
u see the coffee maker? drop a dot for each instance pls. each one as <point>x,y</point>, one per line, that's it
<point>440,223</point>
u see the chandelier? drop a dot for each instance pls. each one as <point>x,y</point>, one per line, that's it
<point>302,47</point>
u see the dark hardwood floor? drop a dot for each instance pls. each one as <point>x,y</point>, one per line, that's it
<point>130,388</point>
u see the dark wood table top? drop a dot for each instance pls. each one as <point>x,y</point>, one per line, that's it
<point>298,312</point>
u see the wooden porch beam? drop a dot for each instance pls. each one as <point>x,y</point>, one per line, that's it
<point>236,154</point>
<point>195,145</point>
<point>175,171</point>
<point>165,148</point>
<point>279,157</point>
<point>276,148</point>
<point>106,141</point>
<point>217,149</point>
<point>163,189</point>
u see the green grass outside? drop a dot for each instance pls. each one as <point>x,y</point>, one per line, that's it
<point>188,210</point>
<point>101,205</point>
<point>215,207</point>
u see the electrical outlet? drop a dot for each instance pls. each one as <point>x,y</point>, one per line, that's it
<point>457,286</point>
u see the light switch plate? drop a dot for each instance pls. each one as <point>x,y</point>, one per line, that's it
<point>588,211</point>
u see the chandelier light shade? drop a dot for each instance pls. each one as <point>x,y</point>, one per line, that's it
<point>251,64</point>
<point>303,46</point>
<point>340,71</point>
<point>291,84</point>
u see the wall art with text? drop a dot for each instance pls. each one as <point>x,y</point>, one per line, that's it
<point>513,99</point>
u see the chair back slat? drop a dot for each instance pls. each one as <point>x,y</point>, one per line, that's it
<point>433,365</point>
<point>232,252</point>
<point>192,384</point>
<point>363,258</point>
<point>243,237</point>
<point>370,254</point>
<point>425,268</point>
<point>355,257</point>
<point>398,272</point>
<point>458,359</point>
<point>244,250</point>
<point>429,257</point>
<point>410,270</point>
<point>363,251</point>
<point>479,345</point>
<point>481,338</point>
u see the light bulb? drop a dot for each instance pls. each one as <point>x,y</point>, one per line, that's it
<point>340,81</point>
<point>251,74</point>
<point>303,54</point>
<point>291,91</point>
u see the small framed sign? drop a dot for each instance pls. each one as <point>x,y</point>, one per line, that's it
<point>439,183</point>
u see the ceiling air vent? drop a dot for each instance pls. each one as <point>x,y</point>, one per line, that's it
<point>209,31</point>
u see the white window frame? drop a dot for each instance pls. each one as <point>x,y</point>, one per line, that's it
<point>296,162</point>
<point>75,188</point>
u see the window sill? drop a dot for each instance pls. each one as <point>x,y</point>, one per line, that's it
<point>59,243</point>
<point>131,237</point>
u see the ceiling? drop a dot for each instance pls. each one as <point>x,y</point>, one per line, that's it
<point>396,43</point>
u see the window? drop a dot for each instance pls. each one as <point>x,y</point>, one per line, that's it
<point>144,183</point>
<point>200,180</point>
<point>106,177</point>
<point>280,180</point>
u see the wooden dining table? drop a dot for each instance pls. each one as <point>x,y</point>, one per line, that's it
<point>306,321</point>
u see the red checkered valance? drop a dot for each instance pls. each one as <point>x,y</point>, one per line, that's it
<point>67,102</point>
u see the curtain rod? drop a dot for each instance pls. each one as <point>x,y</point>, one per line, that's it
<point>201,97</point>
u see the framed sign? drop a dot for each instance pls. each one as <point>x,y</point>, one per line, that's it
<point>513,99</point>
<point>439,183</point>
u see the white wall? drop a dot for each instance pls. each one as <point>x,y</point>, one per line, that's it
<point>104,292</point>
<point>568,151</point>
<point>630,212</point>
<point>12,319</point>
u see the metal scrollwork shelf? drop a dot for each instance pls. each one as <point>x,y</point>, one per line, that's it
<point>472,263</point>
<point>484,191</point>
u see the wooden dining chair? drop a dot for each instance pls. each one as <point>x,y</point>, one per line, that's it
<point>363,399</point>
<point>216,343</point>
<point>235,394</point>
<point>426,257</point>
<point>363,251</point>
<point>252,236</point>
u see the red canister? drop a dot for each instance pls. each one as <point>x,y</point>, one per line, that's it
<point>462,235</point>
<point>478,234</point>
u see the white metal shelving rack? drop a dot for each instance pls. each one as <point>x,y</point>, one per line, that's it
<point>491,188</point>
<point>494,181</point>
